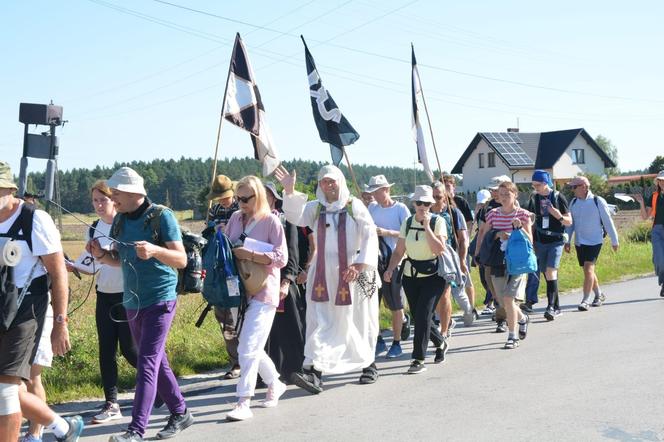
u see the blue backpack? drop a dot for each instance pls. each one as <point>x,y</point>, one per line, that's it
<point>219,266</point>
<point>519,256</point>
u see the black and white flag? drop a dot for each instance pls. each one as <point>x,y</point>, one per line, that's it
<point>417,127</point>
<point>244,107</point>
<point>332,126</point>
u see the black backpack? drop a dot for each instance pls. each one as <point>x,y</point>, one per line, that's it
<point>9,293</point>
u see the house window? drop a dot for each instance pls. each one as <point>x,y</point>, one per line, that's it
<point>481,157</point>
<point>578,156</point>
<point>491,159</point>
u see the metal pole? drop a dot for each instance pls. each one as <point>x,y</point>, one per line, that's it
<point>221,120</point>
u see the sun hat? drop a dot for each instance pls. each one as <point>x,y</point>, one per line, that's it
<point>6,177</point>
<point>126,179</point>
<point>660,175</point>
<point>329,171</point>
<point>578,181</point>
<point>269,185</point>
<point>222,187</point>
<point>497,181</point>
<point>483,196</point>
<point>542,176</point>
<point>377,182</point>
<point>423,194</point>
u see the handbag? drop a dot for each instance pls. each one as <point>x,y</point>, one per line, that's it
<point>253,276</point>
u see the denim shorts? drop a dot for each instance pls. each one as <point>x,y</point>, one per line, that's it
<point>548,255</point>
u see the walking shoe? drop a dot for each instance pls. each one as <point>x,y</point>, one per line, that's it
<point>127,436</point>
<point>109,412</point>
<point>661,292</point>
<point>441,352</point>
<point>511,344</point>
<point>416,367</point>
<point>599,300</point>
<point>76,426</point>
<point>381,346</point>
<point>176,423</point>
<point>241,412</point>
<point>274,392</point>
<point>502,326</point>
<point>394,351</point>
<point>452,324</point>
<point>583,307</point>
<point>233,373</point>
<point>488,310</point>
<point>309,380</point>
<point>468,318</point>
<point>405,329</point>
<point>369,374</point>
<point>550,313</point>
<point>526,307</point>
<point>523,327</point>
<point>29,437</point>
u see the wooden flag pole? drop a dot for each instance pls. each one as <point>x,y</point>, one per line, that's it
<point>221,120</point>
<point>433,140</point>
<point>352,173</point>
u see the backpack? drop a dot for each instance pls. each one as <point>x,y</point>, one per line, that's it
<point>190,279</point>
<point>596,205</point>
<point>220,271</point>
<point>519,255</point>
<point>451,237</point>
<point>10,296</point>
<point>409,224</point>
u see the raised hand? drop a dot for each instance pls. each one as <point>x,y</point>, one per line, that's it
<point>286,179</point>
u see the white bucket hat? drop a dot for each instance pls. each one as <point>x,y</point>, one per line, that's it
<point>424,194</point>
<point>377,182</point>
<point>125,179</point>
<point>660,175</point>
<point>483,196</point>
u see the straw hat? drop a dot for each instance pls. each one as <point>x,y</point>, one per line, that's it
<point>377,182</point>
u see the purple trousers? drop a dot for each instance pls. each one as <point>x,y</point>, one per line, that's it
<point>149,327</point>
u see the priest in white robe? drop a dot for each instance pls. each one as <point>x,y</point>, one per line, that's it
<point>342,288</point>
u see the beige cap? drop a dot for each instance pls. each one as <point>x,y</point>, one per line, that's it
<point>578,181</point>
<point>6,177</point>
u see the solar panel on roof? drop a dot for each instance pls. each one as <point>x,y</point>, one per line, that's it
<point>507,145</point>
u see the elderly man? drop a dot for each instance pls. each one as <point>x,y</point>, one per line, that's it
<point>388,215</point>
<point>26,284</point>
<point>551,217</point>
<point>591,220</point>
<point>148,248</point>
<point>342,301</point>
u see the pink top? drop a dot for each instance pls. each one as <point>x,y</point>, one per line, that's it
<point>503,221</point>
<point>269,230</point>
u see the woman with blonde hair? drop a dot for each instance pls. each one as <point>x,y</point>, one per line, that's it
<point>255,224</point>
<point>508,288</point>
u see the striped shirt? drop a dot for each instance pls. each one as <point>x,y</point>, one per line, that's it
<point>503,221</point>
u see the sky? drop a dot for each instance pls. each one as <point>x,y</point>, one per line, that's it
<point>144,79</point>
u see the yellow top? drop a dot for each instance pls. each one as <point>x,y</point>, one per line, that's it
<point>418,249</point>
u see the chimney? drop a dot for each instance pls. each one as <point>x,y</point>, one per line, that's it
<point>512,129</point>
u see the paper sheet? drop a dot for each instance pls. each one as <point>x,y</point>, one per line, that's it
<point>258,246</point>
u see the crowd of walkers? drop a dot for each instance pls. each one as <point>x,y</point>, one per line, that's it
<point>315,275</point>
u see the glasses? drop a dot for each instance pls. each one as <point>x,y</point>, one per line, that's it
<point>245,199</point>
<point>422,203</point>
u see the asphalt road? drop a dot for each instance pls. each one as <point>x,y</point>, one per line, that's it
<point>596,375</point>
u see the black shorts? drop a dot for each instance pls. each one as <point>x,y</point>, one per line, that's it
<point>587,253</point>
<point>18,344</point>
<point>391,292</point>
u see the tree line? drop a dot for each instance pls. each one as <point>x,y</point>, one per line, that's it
<point>182,184</point>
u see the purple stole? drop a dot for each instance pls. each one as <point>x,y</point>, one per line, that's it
<point>319,292</point>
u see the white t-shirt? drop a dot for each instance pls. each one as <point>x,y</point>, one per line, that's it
<point>390,218</point>
<point>109,278</point>
<point>45,241</point>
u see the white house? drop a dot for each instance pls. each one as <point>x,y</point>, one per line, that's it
<point>564,154</point>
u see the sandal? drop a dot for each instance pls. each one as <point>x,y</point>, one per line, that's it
<point>511,344</point>
<point>369,375</point>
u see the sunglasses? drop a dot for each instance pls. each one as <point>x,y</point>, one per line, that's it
<point>245,199</point>
<point>422,203</point>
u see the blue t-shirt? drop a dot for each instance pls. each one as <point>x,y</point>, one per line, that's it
<point>389,218</point>
<point>147,282</point>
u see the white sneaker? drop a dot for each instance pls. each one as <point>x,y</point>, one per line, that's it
<point>240,412</point>
<point>109,412</point>
<point>274,392</point>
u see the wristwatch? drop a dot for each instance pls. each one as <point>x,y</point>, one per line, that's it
<point>61,319</point>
